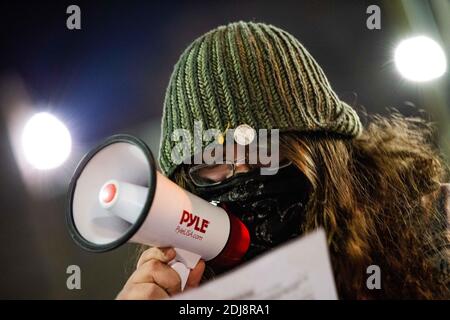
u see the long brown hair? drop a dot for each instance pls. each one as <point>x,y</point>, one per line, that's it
<point>375,197</point>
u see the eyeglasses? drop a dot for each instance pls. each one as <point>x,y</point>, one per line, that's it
<point>205,175</point>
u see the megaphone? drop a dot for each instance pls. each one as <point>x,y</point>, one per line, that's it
<point>116,195</point>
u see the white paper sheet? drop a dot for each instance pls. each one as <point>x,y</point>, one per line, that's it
<point>300,269</point>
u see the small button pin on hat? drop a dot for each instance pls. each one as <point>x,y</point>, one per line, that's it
<point>221,137</point>
<point>244,134</point>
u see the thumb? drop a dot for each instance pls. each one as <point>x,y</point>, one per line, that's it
<point>195,275</point>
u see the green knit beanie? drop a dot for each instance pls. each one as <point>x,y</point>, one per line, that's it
<point>254,74</point>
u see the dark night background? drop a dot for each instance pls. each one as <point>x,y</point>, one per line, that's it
<point>111,75</point>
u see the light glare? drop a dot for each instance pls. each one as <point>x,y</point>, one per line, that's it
<point>420,59</point>
<point>46,141</point>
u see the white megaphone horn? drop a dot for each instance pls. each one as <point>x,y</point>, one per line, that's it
<point>117,196</point>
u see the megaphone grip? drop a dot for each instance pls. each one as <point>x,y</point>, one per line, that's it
<point>182,271</point>
<point>183,263</point>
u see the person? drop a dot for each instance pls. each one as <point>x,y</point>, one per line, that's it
<point>376,190</point>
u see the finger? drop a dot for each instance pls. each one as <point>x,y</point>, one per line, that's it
<point>144,291</point>
<point>195,276</point>
<point>154,271</point>
<point>161,254</point>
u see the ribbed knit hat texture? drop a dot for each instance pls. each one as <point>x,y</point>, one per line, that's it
<point>254,74</point>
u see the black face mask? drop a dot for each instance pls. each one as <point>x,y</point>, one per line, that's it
<point>271,206</point>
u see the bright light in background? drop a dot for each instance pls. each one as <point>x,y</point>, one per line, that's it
<point>46,141</point>
<point>420,59</point>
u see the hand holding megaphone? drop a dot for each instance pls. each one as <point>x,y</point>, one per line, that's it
<point>116,195</point>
